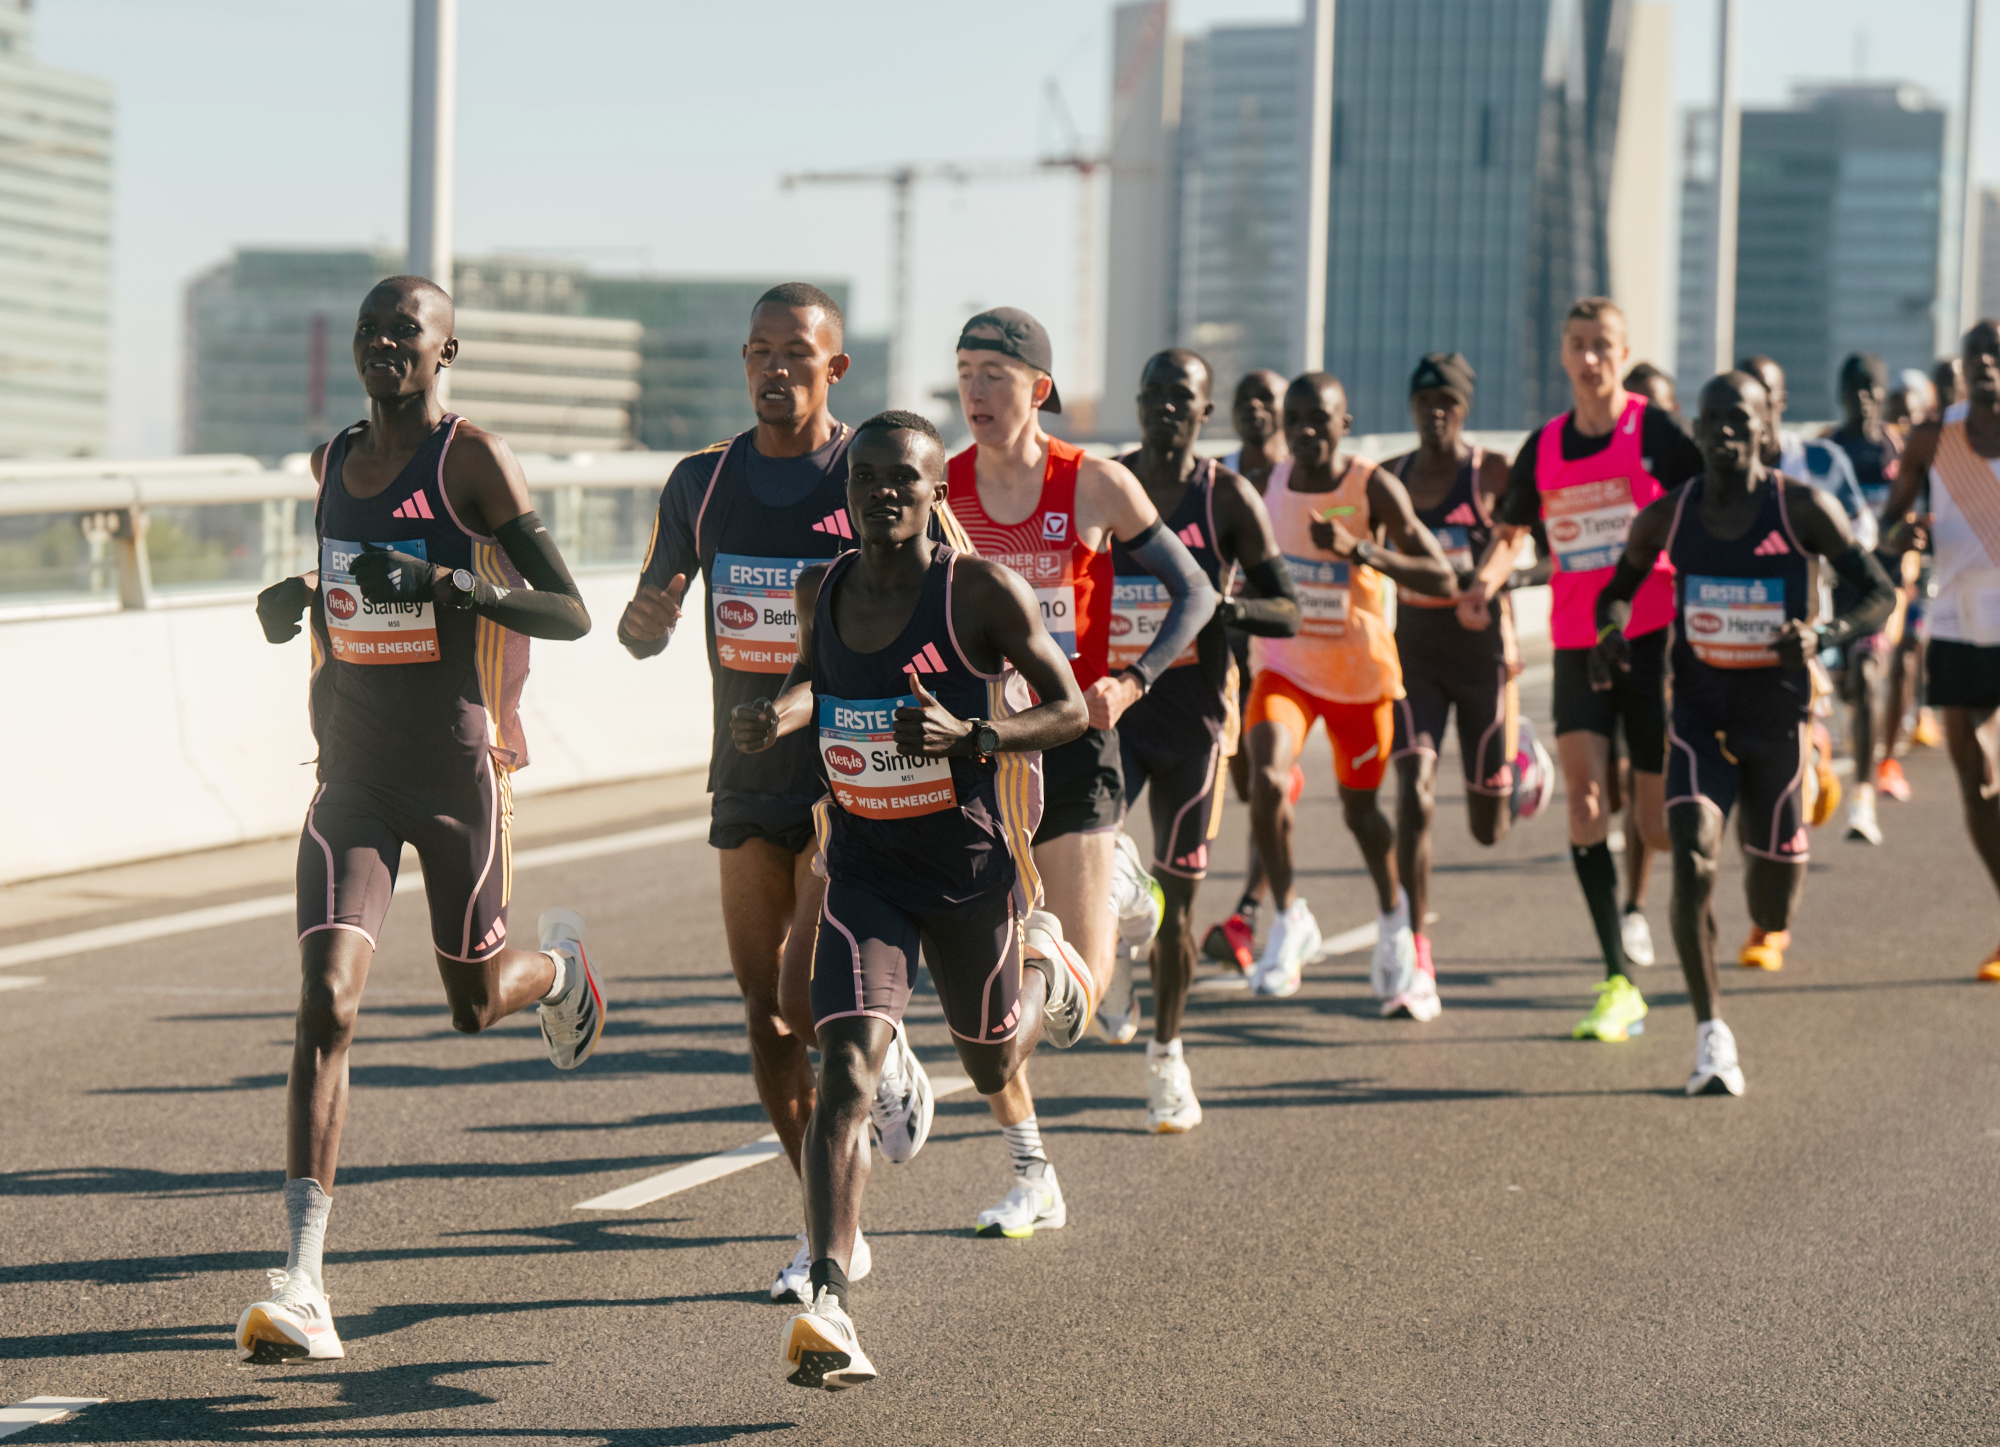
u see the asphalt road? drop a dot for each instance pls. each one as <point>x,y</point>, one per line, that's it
<point>1470,1231</point>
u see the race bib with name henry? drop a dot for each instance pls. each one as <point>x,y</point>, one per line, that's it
<point>866,773</point>
<point>365,632</point>
<point>1733,622</point>
<point>750,601</point>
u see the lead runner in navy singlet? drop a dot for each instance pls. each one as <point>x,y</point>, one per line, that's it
<point>420,625</point>
<point>913,671</point>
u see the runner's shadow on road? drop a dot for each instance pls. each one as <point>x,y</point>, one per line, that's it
<point>748,1114</point>
<point>1357,1092</point>
<point>524,1071</point>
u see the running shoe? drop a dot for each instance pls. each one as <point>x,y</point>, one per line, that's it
<point>1826,783</point>
<point>1393,969</point>
<point>1637,937</point>
<point>1861,819</point>
<point>1619,1013</point>
<point>796,1279</point>
<point>1170,1104</point>
<point>1715,1067</point>
<point>1420,1001</point>
<point>293,1321</point>
<point>1295,785</point>
<point>1232,942</point>
<point>1035,1203</point>
<point>1925,733</point>
<point>1135,895</point>
<point>1765,949</point>
<point>1889,780</point>
<point>904,1105</point>
<point>1534,774</point>
<point>1116,1021</point>
<point>1066,1009</point>
<point>1293,940</point>
<point>572,1025</point>
<point>1990,971</point>
<point>821,1350</point>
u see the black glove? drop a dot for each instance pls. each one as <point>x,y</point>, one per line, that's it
<point>279,607</point>
<point>387,576</point>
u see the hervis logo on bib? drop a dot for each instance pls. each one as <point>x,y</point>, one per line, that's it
<point>735,613</point>
<point>1704,623</point>
<point>1563,530</point>
<point>1121,624</point>
<point>340,603</point>
<point>845,759</point>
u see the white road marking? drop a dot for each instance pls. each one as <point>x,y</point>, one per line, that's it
<point>37,1410</point>
<point>714,1168</point>
<point>19,982</point>
<point>133,931</point>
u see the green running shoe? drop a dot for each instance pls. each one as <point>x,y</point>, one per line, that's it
<point>1617,1015</point>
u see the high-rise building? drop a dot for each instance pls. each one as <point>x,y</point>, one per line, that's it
<point>55,251</point>
<point>1141,275</point>
<point>1989,253</point>
<point>1837,234</point>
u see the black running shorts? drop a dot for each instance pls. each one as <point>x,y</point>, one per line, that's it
<point>1182,797</point>
<point>1748,752</point>
<point>1466,672</point>
<point>1961,675</point>
<point>1637,699</point>
<point>353,842</point>
<point>1083,786</point>
<point>867,955</point>
<point>786,820</point>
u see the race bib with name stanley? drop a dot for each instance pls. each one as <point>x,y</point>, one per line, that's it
<point>1587,524</point>
<point>369,633</point>
<point>866,773</point>
<point>1732,622</point>
<point>750,602</point>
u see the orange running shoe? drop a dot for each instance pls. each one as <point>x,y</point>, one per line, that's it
<point>1765,949</point>
<point>1889,780</point>
<point>1990,971</point>
<point>1926,734</point>
<point>1826,783</point>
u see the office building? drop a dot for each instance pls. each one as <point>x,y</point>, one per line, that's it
<point>1989,253</point>
<point>55,251</point>
<point>1142,257</point>
<point>1837,234</point>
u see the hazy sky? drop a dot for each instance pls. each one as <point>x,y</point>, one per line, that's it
<point>634,134</point>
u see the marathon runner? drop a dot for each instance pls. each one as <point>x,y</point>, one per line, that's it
<point>1171,741</point>
<point>1585,475</point>
<point>909,680</point>
<point>1331,517</point>
<point>1959,460</point>
<point>434,571</point>
<point>1049,511</point>
<point>1742,541</point>
<point>749,515</point>
<point>1448,663</point>
<point>1874,449</point>
<point>1657,387</point>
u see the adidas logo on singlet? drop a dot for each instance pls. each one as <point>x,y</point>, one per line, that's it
<point>1462,516</point>
<point>1191,535</point>
<point>927,661</point>
<point>1772,547</point>
<point>836,525</point>
<point>414,506</point>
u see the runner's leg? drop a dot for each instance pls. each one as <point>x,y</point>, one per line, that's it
<point>759,905</point>
<point>333,969</point>
<point>1696,827</point>
<point>1967,739</point>
<point>1416,808</point>
<point>1273,747</point>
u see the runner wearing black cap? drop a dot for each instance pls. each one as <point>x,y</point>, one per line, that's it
<point>1454,488</point>
<point>1051,512</point>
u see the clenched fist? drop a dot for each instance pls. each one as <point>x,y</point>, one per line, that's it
<point>653,612</point>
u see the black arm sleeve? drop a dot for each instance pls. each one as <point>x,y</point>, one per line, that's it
<point>554,608</point>
<point>1521,503</point>
<point>1270,608</point>
<point>1614,604</point>
<point>1858,568</point>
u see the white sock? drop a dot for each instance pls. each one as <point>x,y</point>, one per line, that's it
<point>1024,1143</point>
<point>562,977</point>
<point>306,1208</point>
<point>1402,908</point>
<point>1864,796</point>
<point>1169,1051</point>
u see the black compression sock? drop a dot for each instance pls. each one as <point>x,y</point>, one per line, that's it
<point>826,1273</point>
<point>1599,878</point>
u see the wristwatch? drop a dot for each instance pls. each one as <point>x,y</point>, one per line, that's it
<point>1363,551</point>
<point>985,740</point>
<point>462,585</point>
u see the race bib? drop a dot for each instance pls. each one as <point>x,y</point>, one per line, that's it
<point>1587,524</point>
<point>1139,606</point>
<point>866,773</point>
<point>1048,573</point>
<point>365,632</point>
<point>1732,622</point>
<point>750,602</point>
<point>1322,585</point>
<point>1457,544</point>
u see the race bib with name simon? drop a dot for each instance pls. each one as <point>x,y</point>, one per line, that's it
<point>1322,585</point>
<point>365,632</point>
<point>750,601</point>
<point>1732,622</point>
<point>1587,524</point>
<point>1139,605</point>
<point>866,773</point>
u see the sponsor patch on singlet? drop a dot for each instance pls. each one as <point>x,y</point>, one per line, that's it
<point>750,600</point>
<point>1050,574</point>
<point>1732,622</point>
<point>1322,585</point>
<point>866,773</point>
<point>1139,605</point>
<point>365,632</point>
<point>1587,524</point>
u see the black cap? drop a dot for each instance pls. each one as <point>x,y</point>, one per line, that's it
<point>1863,369</point>
<point>1013,333</point>
<point>1448,370</point>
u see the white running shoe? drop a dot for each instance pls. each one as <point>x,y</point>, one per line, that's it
<point>1534,774</point>
<point>1035,1203</point>
<point>1637,937</point>
<point>1066,1010</point>
<point>1393,969</point>
<point>1861,820</point>
<point>1117,1018</point>
<point>821,1350</point>
<point>794,1281</point>
<point>1135,896</point>
<point>293,1321</point>
<point>904,1105</point>
<point>1420,1001</point>
<point>1170,1104</point>
<point>573,1024</point>
<point>1715,1067</point>
<point>1293,940</point>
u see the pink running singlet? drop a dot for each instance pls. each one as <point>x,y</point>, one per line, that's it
<point>1587,509</point>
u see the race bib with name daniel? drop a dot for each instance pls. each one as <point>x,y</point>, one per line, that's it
<point>1139,605</point>
<point>1587,524</point>
<point>1048,572</point>
<point>1733,622</point>
<point>1322,585</point>
<point>750,600</point>
<point>866,773</point>
<point>365,632</point>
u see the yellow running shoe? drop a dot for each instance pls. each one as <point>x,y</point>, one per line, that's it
<point>1618,1014</point>
<point>1926,734</point>
<point>1825,783</point>
<point>1765,949</point>
<point>1990,971</point>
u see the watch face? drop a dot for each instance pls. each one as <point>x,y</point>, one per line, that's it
<point>461,580</point>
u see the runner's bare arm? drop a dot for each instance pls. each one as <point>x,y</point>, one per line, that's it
<point>1643,543</point>
<point>1413,558</point>
<point>1821,524</point>
<point>1269,607</point>
<point>1913,469</point>
<point>672,558</point>
<point>755,726</point>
